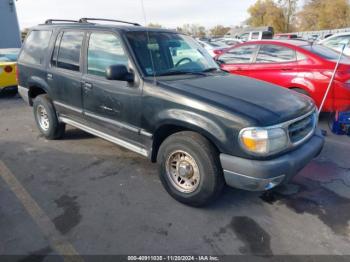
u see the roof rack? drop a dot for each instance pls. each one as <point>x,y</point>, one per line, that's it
<point>86,20</point>
<point>51,21</point>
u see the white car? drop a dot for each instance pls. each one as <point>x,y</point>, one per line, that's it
<point>214,48</point>
<point>336,42</point>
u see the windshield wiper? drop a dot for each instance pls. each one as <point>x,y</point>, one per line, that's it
<point>211,69</point>
<point>171,73</point>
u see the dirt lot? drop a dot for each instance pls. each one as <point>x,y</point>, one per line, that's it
<point>83,195</point>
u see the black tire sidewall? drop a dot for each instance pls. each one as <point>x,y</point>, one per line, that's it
<point>44,101</point>
<point>209,171</point>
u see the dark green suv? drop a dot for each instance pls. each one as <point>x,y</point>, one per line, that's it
<point>159,93</point>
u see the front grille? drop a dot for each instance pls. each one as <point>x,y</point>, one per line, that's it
<point>301,129</point>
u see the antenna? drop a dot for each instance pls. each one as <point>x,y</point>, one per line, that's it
<point>332,78</point>
<point>148,39</point>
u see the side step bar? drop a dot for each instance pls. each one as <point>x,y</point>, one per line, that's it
<point>107,137</point>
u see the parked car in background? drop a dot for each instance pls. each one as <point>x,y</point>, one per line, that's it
<point>336,42</point>
<point>285,36</point>
<point>214,48</point>
<point>293,64</point>
<point>230,42</point>
<point>8,61</point>
<point>256,35</point>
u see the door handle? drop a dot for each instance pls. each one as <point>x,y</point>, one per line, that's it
<point>286,69</point>
<point>87,86</point>
<point>49,76</point>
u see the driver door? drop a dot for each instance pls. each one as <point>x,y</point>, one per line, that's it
<point>112,106</point>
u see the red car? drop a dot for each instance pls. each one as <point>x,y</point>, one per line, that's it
<point>293,64</point>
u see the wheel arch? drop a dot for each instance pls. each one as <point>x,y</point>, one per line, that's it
<point>36,86</point>
<point>168,128</point>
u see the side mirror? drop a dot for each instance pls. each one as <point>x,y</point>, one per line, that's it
<point>119,72</point>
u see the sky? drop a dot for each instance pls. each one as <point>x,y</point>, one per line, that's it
<point>169,13</point>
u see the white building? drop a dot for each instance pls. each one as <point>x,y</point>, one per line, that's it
<point>9,28</point>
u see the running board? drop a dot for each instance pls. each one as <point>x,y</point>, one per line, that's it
<point>107,137</point>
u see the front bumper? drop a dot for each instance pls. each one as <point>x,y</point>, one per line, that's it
<point>261,175</point>
<point>23,92</point>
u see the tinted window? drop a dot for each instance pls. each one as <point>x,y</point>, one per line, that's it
<point>239,55</point>
<point>275,54</point>
<point>104,50</point>
<point>69,51</point>
<point>35,47</point>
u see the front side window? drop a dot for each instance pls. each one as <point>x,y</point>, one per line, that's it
<point>163,53</point>
<point>275,54</point>
<point>104,50</point>
<point>240,55</point>
<point>68,54</point>
<point>35,47</point>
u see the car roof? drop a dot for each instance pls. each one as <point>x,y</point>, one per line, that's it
<point>283,42</point>
<point>87,26</point>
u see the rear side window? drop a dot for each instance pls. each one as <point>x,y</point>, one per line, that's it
<point>35,47</point>
<point>239,55</point>
<point>104,50</point>
<point>275,54</point>
<point>322,51</point>
<point>67,51</point>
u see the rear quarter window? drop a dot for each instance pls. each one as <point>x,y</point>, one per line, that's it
<point>35,48</point>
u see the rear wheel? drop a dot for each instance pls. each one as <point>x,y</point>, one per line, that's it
<point>46,118</point>
<point>190,168</point>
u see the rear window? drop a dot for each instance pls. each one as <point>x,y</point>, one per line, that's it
<point>322,51</point>
<point>35,47</point>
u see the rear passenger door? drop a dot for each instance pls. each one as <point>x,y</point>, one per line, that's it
<point>65,73</point>
<point>275,64</point>
<point>238,59</point>
<point>114,107</point>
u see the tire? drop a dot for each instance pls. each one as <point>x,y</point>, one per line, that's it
<point>46,118</point>
<point>194,160</point>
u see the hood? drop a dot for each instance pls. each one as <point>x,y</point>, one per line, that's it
<point>266,104</point>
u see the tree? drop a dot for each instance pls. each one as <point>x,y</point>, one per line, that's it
<point>267,13</point>
<point>324,14</point>
<point>219,30</point>
<point>194,30</point>
<point>289,10</point>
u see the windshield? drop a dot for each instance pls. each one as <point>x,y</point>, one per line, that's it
<point>322,51</point>
<point>8,55</point>
<point>166,53</point>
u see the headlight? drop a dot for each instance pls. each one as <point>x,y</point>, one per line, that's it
<point>263,141</point>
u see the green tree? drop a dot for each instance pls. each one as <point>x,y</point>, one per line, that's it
<point>324,14</point>
<point>267,13</point>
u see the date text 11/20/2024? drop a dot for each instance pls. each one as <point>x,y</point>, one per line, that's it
<point>173,258</point>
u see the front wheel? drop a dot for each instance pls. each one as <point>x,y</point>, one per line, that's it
<point>190,168</point>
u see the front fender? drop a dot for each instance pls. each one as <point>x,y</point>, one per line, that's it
<point>210,128</point>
